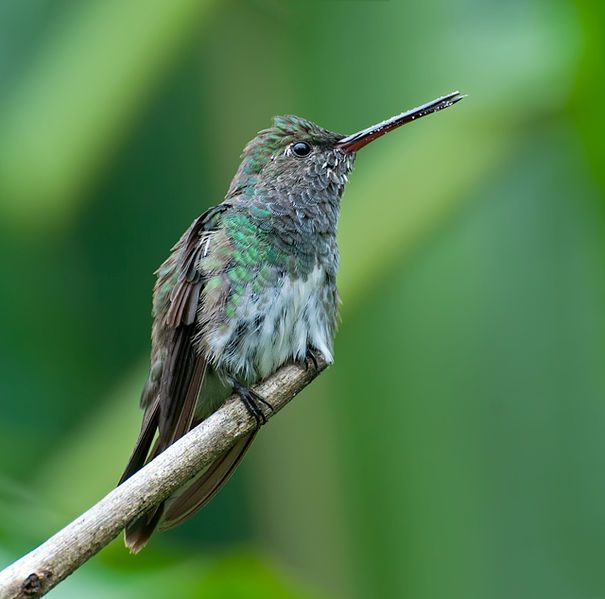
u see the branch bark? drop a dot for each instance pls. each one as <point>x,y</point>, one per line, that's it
<point>46,566</point>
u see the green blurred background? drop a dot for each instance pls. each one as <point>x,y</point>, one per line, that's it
<point>456,447</point>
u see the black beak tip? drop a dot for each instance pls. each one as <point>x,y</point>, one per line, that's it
<point>457,96</point>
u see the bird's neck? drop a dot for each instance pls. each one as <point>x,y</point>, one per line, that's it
<point>299,227</point>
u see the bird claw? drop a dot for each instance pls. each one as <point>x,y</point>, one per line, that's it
<point>311,358</point>
<point>251,401</point>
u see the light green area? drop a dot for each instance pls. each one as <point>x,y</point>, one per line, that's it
<point>81,91</point>
<point>456,447</point>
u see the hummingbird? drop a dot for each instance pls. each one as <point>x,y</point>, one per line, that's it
<point>249,287</point>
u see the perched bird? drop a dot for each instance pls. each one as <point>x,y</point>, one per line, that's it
<point>250,286</point>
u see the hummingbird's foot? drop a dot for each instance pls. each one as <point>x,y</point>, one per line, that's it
<point>252,401</point>
<point>312,358</point>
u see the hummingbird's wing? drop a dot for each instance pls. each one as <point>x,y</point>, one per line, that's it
<point>177,373</point>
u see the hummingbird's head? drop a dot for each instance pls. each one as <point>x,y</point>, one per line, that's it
<point>299,160</point>
<point>293,157</point>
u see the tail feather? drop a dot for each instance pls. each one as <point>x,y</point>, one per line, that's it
<point>205,486</point>
<point>139,531</point>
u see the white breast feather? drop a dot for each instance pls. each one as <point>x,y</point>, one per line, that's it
<point>292,318</point>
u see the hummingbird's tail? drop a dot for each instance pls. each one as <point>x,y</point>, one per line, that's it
<point>185,502</point>
<point>205,486</point>
<point>138,532</point>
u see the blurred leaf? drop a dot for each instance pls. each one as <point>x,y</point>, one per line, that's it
<point>79,95</point>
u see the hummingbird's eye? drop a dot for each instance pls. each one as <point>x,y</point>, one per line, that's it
<point>301,149</point>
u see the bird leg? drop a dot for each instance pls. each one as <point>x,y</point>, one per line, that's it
<point>252,401</point>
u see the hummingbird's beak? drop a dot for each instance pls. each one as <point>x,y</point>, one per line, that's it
<point>355,142</point>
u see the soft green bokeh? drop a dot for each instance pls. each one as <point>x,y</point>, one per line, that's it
<point>456,448</point>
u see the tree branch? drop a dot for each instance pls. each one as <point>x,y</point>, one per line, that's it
<point>46,566</point>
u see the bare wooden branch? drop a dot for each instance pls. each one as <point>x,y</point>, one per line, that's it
<point>43,568</point>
